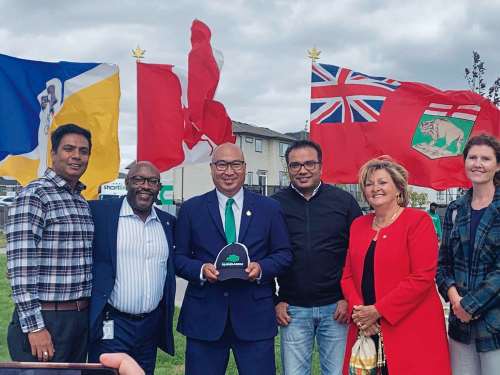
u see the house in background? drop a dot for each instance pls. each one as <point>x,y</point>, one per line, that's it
<point>264,151</point>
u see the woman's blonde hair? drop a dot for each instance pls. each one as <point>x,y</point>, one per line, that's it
<point>397,172</point>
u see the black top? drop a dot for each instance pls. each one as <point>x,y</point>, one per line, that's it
<point>319,233</point>
<point>368,281</point>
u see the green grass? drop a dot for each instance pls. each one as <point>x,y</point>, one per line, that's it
<point>2,239</point>
<point>5,309</point>
<point>165,364</point>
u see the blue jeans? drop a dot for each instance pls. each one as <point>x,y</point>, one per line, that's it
<point>297,340</point>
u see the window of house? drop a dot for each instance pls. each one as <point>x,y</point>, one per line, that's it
<point>283,147</point>
<point>284,179</point>
<point>262,181</point>
<point>258,145</point>
<point>249,180</point>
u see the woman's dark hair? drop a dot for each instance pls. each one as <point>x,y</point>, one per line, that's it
<point>485,140</point>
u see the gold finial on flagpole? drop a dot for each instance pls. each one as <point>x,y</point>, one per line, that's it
<point>313,54</point>
<point>138,53</point>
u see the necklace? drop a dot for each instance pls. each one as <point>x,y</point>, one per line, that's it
<point>378,226</point>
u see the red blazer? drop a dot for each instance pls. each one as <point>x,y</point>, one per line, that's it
<point>412,320</point>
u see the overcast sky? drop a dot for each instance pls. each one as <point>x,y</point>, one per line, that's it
<point>266,73</point>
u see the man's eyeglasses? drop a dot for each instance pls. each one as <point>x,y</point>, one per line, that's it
<point>222,165</point>
<point>139,180</point>
<point>310,165</point>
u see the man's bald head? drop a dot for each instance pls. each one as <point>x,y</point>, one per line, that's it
<point>143,164</point>
<point>228,169</point>
<point>228,149</point>
<point>143,185</point>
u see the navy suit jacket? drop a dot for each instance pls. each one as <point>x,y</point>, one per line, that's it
<point>199,238</point>
<point>106,214</point>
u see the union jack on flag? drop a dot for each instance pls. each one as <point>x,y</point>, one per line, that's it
<point>340,95</point>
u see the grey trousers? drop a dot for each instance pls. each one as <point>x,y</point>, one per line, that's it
<point>466,360</point>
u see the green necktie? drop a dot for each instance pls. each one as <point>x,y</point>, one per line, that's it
<point>230,227</point>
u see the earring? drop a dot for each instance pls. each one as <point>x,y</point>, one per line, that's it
<point>399,199</point>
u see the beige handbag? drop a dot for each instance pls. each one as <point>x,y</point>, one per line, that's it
<point>363,359</point>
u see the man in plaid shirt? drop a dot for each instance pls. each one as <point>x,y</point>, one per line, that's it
<point>49,257</point>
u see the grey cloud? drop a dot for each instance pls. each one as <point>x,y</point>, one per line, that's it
<point>265,79</point>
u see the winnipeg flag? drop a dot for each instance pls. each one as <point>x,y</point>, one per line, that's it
<point>36,97</point>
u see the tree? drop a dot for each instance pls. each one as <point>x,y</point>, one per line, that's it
<point>418,199</point>
<point>475,79</point>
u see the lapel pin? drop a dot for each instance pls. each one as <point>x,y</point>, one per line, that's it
<point>168,222</point>
<point>249,213</point>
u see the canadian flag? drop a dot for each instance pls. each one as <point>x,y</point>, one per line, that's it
<point>178,121</point>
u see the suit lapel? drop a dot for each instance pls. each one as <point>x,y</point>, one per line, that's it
<point>247,213</point>
<point>113,229</point>
<point>167,227</point>
<point>213,209</point>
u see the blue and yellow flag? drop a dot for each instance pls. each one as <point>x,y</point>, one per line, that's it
<point>36,97</point>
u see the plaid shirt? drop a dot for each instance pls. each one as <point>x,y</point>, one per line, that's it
<point>479,283</point>
<point>49,247</point>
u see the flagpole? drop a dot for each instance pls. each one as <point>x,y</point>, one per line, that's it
<point>313,54</point>
<point>138,54</point>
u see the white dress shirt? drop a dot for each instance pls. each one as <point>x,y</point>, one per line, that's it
<point>141,262</point>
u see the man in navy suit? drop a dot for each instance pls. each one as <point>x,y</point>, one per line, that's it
<point>132,302</point>
<point>236,314</point>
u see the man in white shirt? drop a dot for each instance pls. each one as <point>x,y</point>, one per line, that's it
<point>134,279</point>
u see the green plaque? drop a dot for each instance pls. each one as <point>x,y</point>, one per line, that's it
<point>167,194</point>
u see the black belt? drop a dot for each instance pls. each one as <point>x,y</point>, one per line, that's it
<point>112,310</point>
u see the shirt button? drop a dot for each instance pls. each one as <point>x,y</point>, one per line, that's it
<point>226,294</point>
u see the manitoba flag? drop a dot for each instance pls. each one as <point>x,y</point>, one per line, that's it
<point>179,123</point>
<point>356,117</point>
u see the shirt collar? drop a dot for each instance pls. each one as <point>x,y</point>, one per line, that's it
<point>238,198</point>
<point>315,191</point>
<point>51,175</point>
<point>126,210</point>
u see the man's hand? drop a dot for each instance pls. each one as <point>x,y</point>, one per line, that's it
<point>253,271</point>
<point>121,361</point>
<point>282,314</point>
<point>41,345</point>
<point>341,314</point>
<point>365,316</point>
<point>210,272</point>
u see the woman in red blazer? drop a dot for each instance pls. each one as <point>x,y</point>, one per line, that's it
<point>388,278</point>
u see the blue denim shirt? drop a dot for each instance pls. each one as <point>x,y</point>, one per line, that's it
<point>477,279</point>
